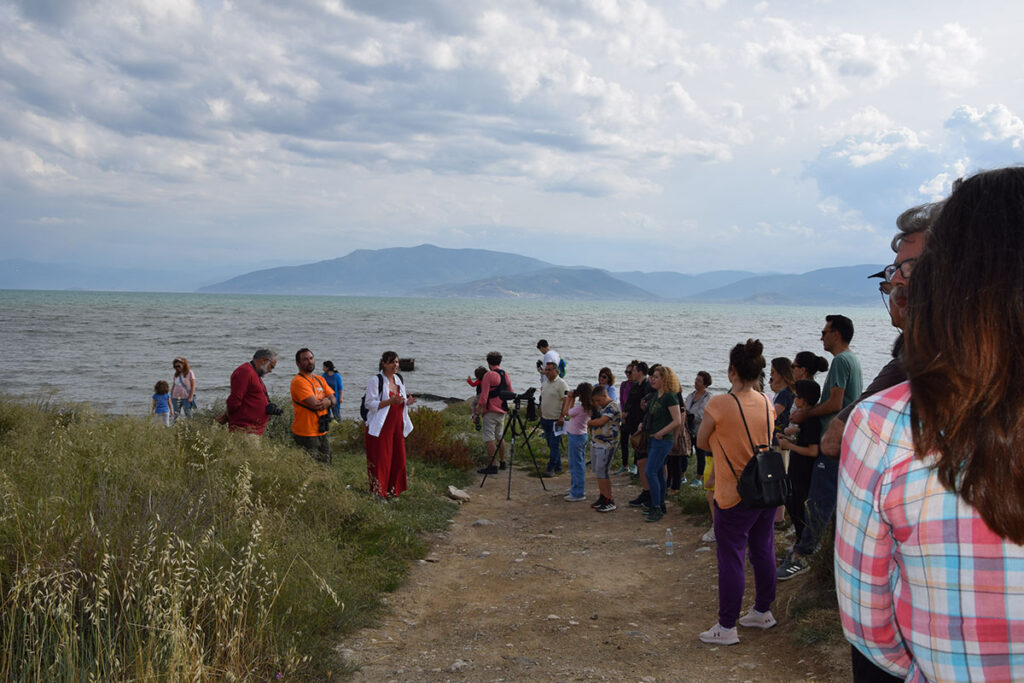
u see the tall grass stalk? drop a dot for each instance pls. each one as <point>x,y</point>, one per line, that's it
<point>131,551</point>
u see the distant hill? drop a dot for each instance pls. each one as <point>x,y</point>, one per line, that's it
<point>671,285</point>
<point>847,285</point>
<point>397,271</point>
<point>548,283</point>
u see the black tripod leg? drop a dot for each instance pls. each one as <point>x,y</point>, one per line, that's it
<point>526,439</point>
<point>497,450</point>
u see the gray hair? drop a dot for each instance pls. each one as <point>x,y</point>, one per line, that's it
<point>264,354</point>
<point>916,219</point>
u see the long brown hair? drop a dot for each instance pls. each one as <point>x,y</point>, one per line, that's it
<point>965,347</point>
<point>184,370</point>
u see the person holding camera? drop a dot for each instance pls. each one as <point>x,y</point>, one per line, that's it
<point>248,404</point>
<point>312,399</point>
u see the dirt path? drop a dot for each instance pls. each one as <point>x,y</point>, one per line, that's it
<point>536,588</point>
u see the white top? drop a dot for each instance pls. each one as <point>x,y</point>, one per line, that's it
<point>376,414</point>
<point>550,357</point>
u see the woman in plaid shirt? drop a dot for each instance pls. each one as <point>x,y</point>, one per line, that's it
<point>930,519</point>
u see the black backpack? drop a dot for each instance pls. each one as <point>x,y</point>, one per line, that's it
<point>496,391</point>
<point>363,410</point>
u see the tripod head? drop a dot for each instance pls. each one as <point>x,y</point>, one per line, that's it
<point>518,400</point>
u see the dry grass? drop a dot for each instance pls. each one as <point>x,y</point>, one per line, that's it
<point>131,551</point>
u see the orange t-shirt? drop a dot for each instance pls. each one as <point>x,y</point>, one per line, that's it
<point>729,437</point>
<point>302,387</point>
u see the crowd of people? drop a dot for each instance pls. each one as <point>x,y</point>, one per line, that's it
<point>920,472</point>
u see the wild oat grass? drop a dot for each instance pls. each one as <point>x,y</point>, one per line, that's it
<point>129,551</point>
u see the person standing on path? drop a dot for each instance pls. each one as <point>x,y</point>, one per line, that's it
<point>492,410</point>
<point>387,425</point>
<point>732,422</point>
<point>843,385</point>
<point>554,397</point>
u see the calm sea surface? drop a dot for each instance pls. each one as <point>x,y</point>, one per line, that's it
<point>110,348</point>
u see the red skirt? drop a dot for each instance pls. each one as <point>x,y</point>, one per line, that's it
<point>385,455</point>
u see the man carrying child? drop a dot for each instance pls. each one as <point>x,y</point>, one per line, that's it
<point>493,409</point>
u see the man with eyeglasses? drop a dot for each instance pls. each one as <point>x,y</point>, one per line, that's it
<point>908,244</point>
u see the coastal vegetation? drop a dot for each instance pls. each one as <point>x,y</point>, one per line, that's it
<point>129,550</point>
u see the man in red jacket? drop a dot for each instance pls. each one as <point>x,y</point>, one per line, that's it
<point>248,401</point>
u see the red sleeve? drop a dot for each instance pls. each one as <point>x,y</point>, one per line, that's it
<point>239,385</point>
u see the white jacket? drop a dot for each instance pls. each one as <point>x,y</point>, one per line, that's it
<point>376,414</point>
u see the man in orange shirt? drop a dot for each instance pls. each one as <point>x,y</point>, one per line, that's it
<point>312,398</point>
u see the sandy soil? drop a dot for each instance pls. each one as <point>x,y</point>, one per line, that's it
<point>536,588</point>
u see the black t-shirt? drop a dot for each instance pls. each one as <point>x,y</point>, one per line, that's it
<point>810,433</point>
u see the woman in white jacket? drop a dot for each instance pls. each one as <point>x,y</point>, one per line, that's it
<point>387,425</point>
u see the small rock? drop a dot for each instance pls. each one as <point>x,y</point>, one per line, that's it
<point>484,554</point>
<point>553,616</point>
<point>704,549</point>
<point>458,665</point>
<point>458,494</point>
<point>482,522</point>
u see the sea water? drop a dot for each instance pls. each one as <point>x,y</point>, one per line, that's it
<point>110,348</point>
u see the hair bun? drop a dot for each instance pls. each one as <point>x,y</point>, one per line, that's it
<point>753,348</point>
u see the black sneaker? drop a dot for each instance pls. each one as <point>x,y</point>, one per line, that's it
<point>641,500</point>
<point>501,465</point>
<point>601,500</point>
<point>608,506</point>
<point>490,469</point>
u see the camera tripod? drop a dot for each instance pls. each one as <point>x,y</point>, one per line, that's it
<point>515,426</point>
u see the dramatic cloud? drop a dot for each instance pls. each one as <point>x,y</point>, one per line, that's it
<point>703,126</point>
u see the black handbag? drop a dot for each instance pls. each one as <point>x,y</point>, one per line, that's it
<point>763,482</point>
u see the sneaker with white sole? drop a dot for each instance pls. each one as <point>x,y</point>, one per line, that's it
<point>794,567</point>
<point>709,536</point>
<point>755,619</point>
<point>717,635</point>
<point>696,484</point>
<point>574,499</point>
<point>608,506</point>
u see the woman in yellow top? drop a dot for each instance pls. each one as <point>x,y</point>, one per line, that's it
<point>724,433</point>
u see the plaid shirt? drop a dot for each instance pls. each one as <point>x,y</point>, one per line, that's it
<point>925,588</point>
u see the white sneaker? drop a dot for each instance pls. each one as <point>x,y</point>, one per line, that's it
<point>574,499</point>
<point>716,635</point>
<point>755,619</point>
<point>709,536</point>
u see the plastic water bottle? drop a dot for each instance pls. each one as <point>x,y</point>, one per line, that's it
<point>670,546</point>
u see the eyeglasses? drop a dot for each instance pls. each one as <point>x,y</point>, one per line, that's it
<point>904,268</point>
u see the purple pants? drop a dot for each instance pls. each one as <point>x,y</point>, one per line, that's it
<point>736,529</point>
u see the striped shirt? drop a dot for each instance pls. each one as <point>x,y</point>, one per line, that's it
<point>926,590</point>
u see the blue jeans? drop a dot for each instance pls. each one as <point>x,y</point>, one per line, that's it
<point>821,503</point>
<point>577,463</point>
<point>180,404</point>
<point>657,453</point>
<point>554,445</point>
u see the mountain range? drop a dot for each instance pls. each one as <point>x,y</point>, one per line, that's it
<point>430,271</point>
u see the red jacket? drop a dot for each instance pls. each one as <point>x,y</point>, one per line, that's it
<point>247,403</point>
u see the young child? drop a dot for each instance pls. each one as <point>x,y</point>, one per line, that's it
<point>479,374</point>
<point>161,408</point>
<point>606,435</point>
<point>803,452</point>
<point>579,414</point>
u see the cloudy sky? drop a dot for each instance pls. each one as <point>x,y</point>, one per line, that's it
<point>687,135</point>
